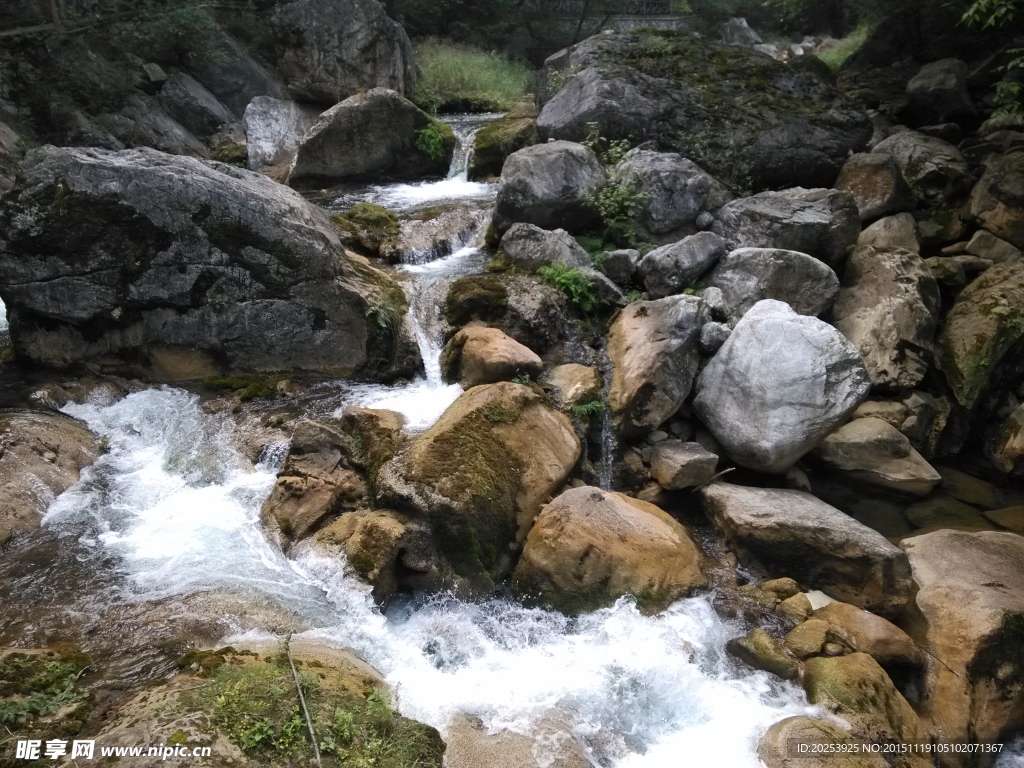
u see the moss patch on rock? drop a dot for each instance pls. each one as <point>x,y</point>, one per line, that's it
<point>495,142</point>
<point>477,297</point>
<point>368,227</point>
<point>41,690</point>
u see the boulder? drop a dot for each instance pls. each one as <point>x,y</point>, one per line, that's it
<point>677,465</point>
<point>142,122</point>
<point>328,50</point>
<point>1010,518</point>
<point>997,200</point>
<point>274,129</point>
<point>549,185</point>
<point>188,102</point>
<point>985,245</point>
<point>713,336</point>
<point>867,633</point>
<point>496,141</point>
<point>480,355</point>
<point>589,547</point>
<point>760,651</point>
<point>230,73</point>
<point>749,275</point>
<point>889,308</point>
<point>779,384</point>
<point>470,744</point>
<point>675,192</point>
<point>620,266</point>
<point>876,183</point>
<point>9,156</point>
<point>857,689</point>
<point>820,222</point>
<point>738,32</point>
<point>41,456</point>
<point>985,323</point>
<point>317,480</point>
<point>1005,444</point>
<point>572,384</point>
<point>934,170</point>
<point>529,247</point>
<point>876,453</point>
<point>970,603</point>
<point>942,511</point>
<point>828,746</point>
<point>938,93</point>
<point>149,264</point>
<point>736,112</point>
<point>899,231</point>
<point>479,477</point>
<point>372,136</point>
<point>807,638</point>
<point>671,269</point>
<point>794,533</point>
<point>653,348</point>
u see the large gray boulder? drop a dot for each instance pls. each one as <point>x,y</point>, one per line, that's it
<point>172,267</point>
<point>229,72</point>
<point>748,275</point>
<point>372,136</point>
<point>675,192</point>
<point>529,247</point>
<point>274,128</point>
<point>934,169</point>
<point>187,101</point>
<point>673,268</point>
<point>654,347</point>
<point>791,533</point>
<point>328,50</point>
<point>549,185</point>
<point>779,384</point>
<point>938,93</point>
<point>737,113</point>
<point>821,222</point>
<point>889,308</point>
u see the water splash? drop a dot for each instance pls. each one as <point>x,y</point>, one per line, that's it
<point>609,439</point>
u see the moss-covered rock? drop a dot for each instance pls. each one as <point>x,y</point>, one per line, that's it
<point>368,227</point>
<point>477,297</point>
<point>986,322</point>
<point>480,475</point>
<point>760,651</point>
<point>495,142</point>
<point>828,746</point>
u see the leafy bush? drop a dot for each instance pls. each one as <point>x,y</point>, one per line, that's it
<point>610,152</point>
<point>573,283</point>
<point>586,410</point>
<point>430,141</point>
<point>459,78</point>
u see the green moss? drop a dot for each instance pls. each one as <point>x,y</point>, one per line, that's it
<point>571,282</point>
<point>586,410</point>
<point>369,227</point>
<point>431,141</point>
<point>477,297</point>
<point>248,387</point>
<point>497,141</point>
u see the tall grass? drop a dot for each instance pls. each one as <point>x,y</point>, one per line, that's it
<point>844,48</point>
<point>458,78</point>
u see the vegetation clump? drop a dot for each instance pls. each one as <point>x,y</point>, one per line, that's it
<point>34,686</point>
<point>460,78</point>
<point>477,297</point>
<point>368,226</point>
<point>247,387</point>
<point>587,410</point>
<point>573,283</point>
<point>430,141</point>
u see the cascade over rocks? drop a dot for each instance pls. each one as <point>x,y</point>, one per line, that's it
<point>675,190</point>
<point>970,601</point>
<point>152,264</point>
<point>889,308</point>
<point>794,533</point>
<point>371,136</point>
<point>549,185</point>
<point>479,355</point>
<point>875,452</point>
<point>749,275</point>
<point>41,456</point>
<point>986,322</point>
<point>479,477</point>
<point>328,50</point>
<point>671,269</point>
<point>654,348</point>
<point>736,112</point>
<point>824,223</point>
<point>589,547</point>
<point>934,169</point>
<point>778,385</point>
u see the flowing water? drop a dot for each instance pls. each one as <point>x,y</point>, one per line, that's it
<point>170,515</point>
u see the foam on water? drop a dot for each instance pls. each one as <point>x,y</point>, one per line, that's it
<point>1012,756</point>
<point>3,318</point>
<point>178,509</point>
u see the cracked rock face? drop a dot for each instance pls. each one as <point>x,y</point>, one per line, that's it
<point>172,267</point>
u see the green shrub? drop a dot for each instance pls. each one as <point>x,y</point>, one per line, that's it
<point>430,141</point>
<point>573,283</point>
<point>586,410</point>
<point>457,78</point>
<point>619,202</point>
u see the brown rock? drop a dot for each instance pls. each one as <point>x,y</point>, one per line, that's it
<point>783,588</point>
<point>877,185</point>
<point>572,384</point>
<point>41,456</point>
<point>589,547</point>
<point>480,355</point>
<point>760,651</point>
<point>470,745</point>
<point>998,198</point>
<point>1011,518</point>
<point>898,231</point>
<point>796,608</point>
<point>865,632</point>
<point>806,639</point>
<point>676,465</point>
<point>838,748</point>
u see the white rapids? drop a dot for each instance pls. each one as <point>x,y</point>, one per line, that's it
<point>178,510</point>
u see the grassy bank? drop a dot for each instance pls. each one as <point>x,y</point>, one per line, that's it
<point>844,48</point>
<point>458,78</point>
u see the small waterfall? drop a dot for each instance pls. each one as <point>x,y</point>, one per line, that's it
<point>609,440</point>
<point>465,128</point>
